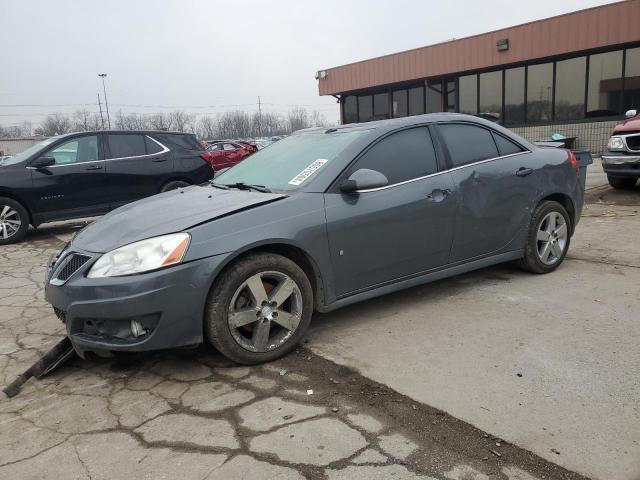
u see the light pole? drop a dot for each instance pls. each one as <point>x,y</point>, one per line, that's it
<point>106,104</point>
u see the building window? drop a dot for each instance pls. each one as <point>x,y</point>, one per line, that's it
<point>365,108</point>
<point>416,101</point>
<point>539,92</point>
<point>468,94</point>
<point>434,96</point>
<point>514,96</point>
<point>570,76</point>
<point>350,109</point>
<point>632,80</point>
<point>381,106</point>
<point>491,92</point>
<point>399,103</point>
<point>605,84</point>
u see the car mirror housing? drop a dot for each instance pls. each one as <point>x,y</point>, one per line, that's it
<point>363,179</point>
<point>43,162</point>
<point>631,113</point>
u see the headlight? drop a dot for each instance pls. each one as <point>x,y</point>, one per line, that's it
<point>142,256</point>
<point>615,143</point>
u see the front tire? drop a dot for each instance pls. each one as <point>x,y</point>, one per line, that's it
<point>622,183</point>
<point>14,221</point>
<point>258,309</point>
<point>548,239</point>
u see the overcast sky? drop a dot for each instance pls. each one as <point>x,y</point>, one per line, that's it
<point>210,56</point>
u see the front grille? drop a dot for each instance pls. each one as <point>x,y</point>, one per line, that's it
<point>633,142</point>
<point>71,263</point>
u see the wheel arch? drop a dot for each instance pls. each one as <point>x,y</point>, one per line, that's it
<point>288,250</point>
<point>566,202</point>
<point>5,192</point>
<point>176,178</point>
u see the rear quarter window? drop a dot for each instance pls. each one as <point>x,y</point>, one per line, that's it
<point>506,146</point>
<point>183,141</point>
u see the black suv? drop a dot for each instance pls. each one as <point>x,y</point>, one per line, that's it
<point>89,173</point>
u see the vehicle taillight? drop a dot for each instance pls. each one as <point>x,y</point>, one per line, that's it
<point>573,160</point>
<point>207,157</point>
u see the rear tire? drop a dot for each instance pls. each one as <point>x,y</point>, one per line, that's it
<point>173,185</point>
<point>251,302</point>
<point>14,221</point>
<point>622,183</point>
<point>548,239</point>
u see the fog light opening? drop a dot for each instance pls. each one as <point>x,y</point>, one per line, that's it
<point>137,330</point>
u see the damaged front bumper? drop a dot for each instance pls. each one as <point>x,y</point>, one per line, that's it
<point>148,311</point>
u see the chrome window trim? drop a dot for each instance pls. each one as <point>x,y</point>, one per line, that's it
<point>164,150</point>
<point>440,173</point>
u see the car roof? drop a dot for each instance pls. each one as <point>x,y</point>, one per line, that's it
<point>379,127</point>
<point>144,132</point>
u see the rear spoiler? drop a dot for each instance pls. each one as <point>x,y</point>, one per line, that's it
<point>551,144</point>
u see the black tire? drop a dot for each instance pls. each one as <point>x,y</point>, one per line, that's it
<point>622,183</point>
<point>531,261</point>
<point>9,205</point>
<point>216,325</point>
<point>173,185</point>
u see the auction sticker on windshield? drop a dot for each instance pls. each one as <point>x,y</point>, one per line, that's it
<point>307,172</point>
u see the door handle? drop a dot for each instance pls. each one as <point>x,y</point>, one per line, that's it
<point>160,159</point>
<point>438,195</point>
<point>94,167</point>
<point>524,171</point>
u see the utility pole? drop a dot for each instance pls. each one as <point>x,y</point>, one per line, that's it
<point>100,107</point>
<point>259,117</point>
<point>106,104</point>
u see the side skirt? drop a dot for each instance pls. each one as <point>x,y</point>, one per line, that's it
<point>424,278</point>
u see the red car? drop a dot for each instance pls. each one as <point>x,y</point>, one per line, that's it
<point>226,154</point>
<point>621,162</point>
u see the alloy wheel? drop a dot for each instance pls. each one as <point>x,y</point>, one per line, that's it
<point>265,311</point>
<point>10,222</point>
<point>552,238</point>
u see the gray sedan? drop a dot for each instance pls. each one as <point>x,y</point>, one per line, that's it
<point>317,221</point>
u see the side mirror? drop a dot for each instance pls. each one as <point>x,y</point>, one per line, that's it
<point>631,113</point>
<point>363,179</point>
<point>43,162</point>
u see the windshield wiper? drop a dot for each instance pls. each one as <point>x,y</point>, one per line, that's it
<point>249,186</point>
<point>218,185</point>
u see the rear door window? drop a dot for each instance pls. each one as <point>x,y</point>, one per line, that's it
<point>468,143</point>
<point>401,156</point>
<point>126,145</point>
<point>505,146</point>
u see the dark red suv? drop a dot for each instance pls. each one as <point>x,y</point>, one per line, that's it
<point>621,162</point>
<point>226,154</point>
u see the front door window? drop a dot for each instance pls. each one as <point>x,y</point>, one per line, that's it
<point>83,149</point>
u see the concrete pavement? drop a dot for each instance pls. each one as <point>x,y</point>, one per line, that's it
<point>549,363</point>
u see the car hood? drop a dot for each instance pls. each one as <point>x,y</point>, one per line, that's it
<point>168,212</point>
<point>630,125</point>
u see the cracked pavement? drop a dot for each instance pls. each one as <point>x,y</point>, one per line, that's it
<point>191,414</point>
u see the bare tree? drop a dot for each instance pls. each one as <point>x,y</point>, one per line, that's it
<point>160,121</point>
<point>55,124</point>
<point>84,121</point>
<point>298,119</point>
<point>207,128</point>
<point>181,121</point>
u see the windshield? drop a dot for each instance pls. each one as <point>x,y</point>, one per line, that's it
<point>290,163</point>
<point>22,156</point>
